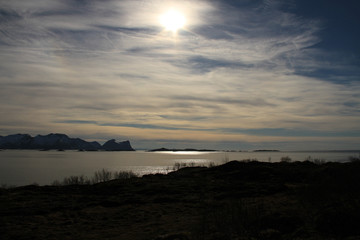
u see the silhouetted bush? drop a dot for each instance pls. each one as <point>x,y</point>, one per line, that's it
<point>178,165</point>
<point>317,161</point>
<point>285,159</point>
<point>99,176</point>
<point>124,175</point>
<point>102,176</point>
<point>76,180</point>
<point>226,159</point>
<point>212,164</point>
<point>354,158</point>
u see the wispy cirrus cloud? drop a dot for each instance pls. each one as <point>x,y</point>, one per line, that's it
<point>238,70</point>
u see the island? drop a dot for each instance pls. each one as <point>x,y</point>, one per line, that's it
<point>266,150</point>
<point>59,141</point>
<point>181,150</point>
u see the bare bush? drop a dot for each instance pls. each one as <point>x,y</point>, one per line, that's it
<point>225,159</point>
<point>211,164</point>
<point>76,180</point>
<point>285,159</point>
<point>101,176</point>
<point>124,175</point>
<point>317,161</point>
<point>354,158</point>
<point>178,166</point>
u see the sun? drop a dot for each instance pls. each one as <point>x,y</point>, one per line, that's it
<point>172,20</point>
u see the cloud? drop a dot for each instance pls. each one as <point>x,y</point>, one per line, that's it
<point>225,100</point>
<point>238,69</point>
<point>78,122</point>
<point>293,132</point>
<point>200,64</point>
<point>283,132</point>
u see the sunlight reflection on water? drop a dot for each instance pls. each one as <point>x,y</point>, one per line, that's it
<point>21,167</point>
<point>184,152</point>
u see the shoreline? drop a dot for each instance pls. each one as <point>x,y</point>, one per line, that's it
<point>14,173</point>
<point>252,199</point>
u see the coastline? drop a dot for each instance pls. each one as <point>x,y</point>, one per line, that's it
<point>252,199</point>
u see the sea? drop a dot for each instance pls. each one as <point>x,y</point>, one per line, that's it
<point>25,167</point>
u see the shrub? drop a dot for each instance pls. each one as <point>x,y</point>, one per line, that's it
<point>75,180</point>
<point>212,164</point>
<point>225,159</point>
<point>99,176</point>
<point>354,158</point>
<point>56,183</point>
<point>124,175</point>
<point>178,166</point>
<point>102,176</point>
<point>285,159</point>
<point>249,160</point>
<point>317,161</point>
<point>192,164</point>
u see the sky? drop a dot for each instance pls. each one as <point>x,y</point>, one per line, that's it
<point>239,74</point>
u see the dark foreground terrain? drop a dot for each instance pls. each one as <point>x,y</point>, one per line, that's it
<point>237,200</point>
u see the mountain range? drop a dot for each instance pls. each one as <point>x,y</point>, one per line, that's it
<point>59,141</point>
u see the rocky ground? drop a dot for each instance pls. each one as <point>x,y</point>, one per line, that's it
<point>237,200</point>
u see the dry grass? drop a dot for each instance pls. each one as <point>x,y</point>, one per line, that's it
<point>237,200</point>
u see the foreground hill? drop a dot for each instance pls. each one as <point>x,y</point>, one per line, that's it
<point>237,200</point>
<point>59,141</point>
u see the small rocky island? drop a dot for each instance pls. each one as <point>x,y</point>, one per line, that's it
<point>181,150</point>
<point>60,142</point>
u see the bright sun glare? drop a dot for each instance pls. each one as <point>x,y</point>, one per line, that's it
<point>172,20</point>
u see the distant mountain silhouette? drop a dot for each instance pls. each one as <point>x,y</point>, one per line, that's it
<point>112,145</point>
<point>181,150</point>
<point>58,141</point>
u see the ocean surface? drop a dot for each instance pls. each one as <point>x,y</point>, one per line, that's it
<point>23,167</point>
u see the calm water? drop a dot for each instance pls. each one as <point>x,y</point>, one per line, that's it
<point>22,167</point>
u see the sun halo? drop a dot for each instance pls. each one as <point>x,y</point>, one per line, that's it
<point>172,20</point>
